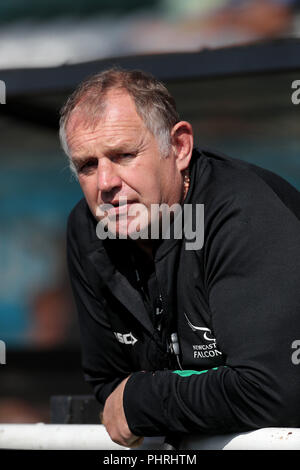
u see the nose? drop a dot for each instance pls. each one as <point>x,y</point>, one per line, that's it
<point>108,178</point>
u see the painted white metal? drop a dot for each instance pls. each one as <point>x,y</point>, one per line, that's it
<point>260,439</point>
<point>42,436</point>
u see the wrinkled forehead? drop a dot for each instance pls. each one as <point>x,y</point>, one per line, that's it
<point>118,123</point>
<point>115,108</point>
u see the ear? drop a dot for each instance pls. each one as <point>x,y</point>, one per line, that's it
<point>182,143</point>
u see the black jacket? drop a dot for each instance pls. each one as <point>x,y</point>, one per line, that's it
<point>235,304</point>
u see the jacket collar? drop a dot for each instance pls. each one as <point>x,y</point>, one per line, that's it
<point>119,285</point>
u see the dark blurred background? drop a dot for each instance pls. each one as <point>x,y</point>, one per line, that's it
<point>238,100</point>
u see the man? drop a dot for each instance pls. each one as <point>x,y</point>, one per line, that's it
<point>178,338</point>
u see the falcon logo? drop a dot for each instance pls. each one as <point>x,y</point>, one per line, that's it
<point>206,331</point>
<point>204,351</point>
<point>126,338</point>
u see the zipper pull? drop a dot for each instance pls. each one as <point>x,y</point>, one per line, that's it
<point>174,348</point>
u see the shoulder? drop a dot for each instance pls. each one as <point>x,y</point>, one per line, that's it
<point>228,182</point>
<point>230,175</point>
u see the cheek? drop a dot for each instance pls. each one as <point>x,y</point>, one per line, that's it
<point>150,179</point>
<point>143,180</point>
<point>150,189</point>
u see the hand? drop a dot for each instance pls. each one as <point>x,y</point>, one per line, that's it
<point>114,420</point>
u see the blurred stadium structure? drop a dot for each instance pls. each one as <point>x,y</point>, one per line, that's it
<point>35,33</point>
<point>238,99</point>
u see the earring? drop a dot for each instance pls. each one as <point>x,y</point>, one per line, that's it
<point>186,182</point>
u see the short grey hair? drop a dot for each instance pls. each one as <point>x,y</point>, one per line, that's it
<point>154,104</point>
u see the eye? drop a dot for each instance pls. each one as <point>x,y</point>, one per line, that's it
<point>87,166</point>
<point>123,156</point>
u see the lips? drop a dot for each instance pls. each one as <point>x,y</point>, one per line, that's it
<point>115,208</point>
<point>120,203</point>
<point>120,207</point>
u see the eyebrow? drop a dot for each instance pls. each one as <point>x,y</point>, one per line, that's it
<point>109,151</point>
<point>125,147</point>
<point>78,161</point>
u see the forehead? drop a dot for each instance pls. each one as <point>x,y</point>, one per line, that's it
<point>118,121</point>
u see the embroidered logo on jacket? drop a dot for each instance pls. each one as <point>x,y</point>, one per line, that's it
<point>126,338</point>
<point>206,331</point>
<point>208,349</point>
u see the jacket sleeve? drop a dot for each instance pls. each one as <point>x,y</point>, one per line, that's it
<point>103,363</point>
<point>252,270</point>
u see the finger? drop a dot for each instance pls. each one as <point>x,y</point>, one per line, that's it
<point>131,441</point>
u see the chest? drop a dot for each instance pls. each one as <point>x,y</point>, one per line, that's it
<point>181,283</point>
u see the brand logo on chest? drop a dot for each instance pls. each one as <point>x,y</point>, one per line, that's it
<point>126,338</point>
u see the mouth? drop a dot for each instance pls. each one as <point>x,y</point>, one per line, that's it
<point>120,208</point>
<point>114,208</point>
<point>120,203</point>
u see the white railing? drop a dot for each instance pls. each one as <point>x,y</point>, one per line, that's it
<point>260,439</point>
<point>42,436</point>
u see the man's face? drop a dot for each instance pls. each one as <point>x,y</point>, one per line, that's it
<point>120,158</point>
